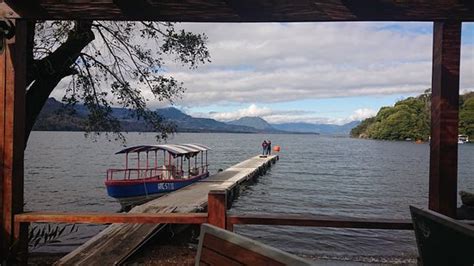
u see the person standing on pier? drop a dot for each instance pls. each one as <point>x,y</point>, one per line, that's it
<point>264,147</point>
<point>269,147</point>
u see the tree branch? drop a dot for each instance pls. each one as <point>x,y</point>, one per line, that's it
<point>49,71</point>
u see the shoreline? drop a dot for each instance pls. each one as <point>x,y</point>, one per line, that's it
<point>155,255</point>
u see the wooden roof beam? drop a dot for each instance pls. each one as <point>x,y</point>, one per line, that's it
<point>245,10</point>
<point>248,10</point>
<point>137,9</point>
<point>65,9</point>
<point>12,9</point>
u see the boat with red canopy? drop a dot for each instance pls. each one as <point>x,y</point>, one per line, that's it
<point>159,169</point>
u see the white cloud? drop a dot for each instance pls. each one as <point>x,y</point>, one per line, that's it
<point>286,116</point>
<point>362,113</point>
<point>252,110</point>
<point>275,62</point>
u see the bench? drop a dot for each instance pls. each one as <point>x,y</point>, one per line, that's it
<point>221,247</point>
<point>442,240</point>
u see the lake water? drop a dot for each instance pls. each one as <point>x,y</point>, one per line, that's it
<point>320,175</point>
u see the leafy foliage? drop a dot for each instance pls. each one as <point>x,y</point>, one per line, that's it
<point>43,234</point>
<point>111,63</point>
<point>359,130</point>
<point>466,115</point>
<point>410,118</point>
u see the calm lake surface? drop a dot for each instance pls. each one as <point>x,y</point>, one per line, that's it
<point>319,175</point>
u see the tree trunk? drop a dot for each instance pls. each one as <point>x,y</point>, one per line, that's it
<point>45,74</point>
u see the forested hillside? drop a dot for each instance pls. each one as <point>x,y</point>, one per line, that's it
<point>410,119</point>
<point>466,115</point>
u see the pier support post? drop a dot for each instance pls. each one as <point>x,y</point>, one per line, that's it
<point>12,141</point>
<point>217,208</point>
<point>444,117</point>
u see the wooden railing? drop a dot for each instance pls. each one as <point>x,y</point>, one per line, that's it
<point>217,215</point>
<point>137,173</point>
<point>319,221</point>
<point>154,172</point>
<point>108,218</point>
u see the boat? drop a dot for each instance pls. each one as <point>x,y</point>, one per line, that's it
<point>463,139</point>
<point>182,165</point>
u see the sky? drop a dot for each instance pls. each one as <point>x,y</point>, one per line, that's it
<point>311,72</point>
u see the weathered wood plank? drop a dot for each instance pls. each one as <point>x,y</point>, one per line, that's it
<point>244,255</point>
<point>211,257</point>
<point>241,249</point>
<point>109,246</point>
<point>444,117</point>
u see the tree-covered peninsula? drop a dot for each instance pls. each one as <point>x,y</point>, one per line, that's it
<point>410,119</point>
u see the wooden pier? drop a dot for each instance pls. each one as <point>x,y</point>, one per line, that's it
<point>117,242</point>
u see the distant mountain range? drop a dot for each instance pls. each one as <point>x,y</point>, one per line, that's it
<point>255,122</point>
<point>54,117</point>
<point>320,128</point>
<point>262,125</point>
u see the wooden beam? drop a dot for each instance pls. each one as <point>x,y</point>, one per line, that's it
<point>245,10</point>
<point>249,9</point>
<point>444,117</point>
<point>18,9</point>
<point>12,109</point>
<point>106,218</point>
<point>321,221</point>
<point>137,9</point>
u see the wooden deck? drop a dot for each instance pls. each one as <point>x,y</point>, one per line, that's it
<point>117,242</point>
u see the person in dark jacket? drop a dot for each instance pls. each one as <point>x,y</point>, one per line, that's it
<point>264,147</point>
<point>269,147</point>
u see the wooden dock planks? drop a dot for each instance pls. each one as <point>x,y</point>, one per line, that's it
<point>119,241</point>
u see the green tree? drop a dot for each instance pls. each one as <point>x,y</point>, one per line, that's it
<point>466,117</point>
<point>107,63</point>
<point>360,130</point>
<point>408,118</point>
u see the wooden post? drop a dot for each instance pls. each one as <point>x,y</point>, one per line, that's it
<point>12,113</point>
<point>20,245</point>
<point>217,208</point>
<point>444,117</point>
